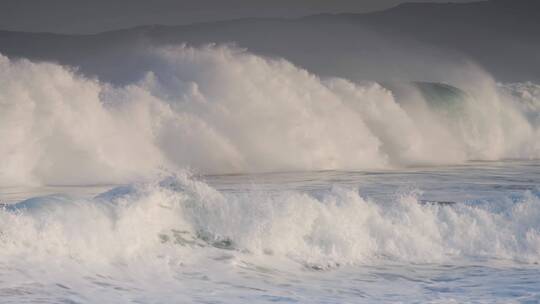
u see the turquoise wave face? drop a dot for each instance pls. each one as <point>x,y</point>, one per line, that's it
<point>443,98</point>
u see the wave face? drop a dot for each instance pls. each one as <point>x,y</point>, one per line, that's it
<point>181,218</point>
<point>220,109</point>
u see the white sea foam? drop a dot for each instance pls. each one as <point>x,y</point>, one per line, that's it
<point>219,109</point>
<point>181,219</point>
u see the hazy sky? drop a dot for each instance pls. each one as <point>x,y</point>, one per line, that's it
<point>88,16</point>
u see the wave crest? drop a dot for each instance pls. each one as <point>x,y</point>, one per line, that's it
<point>219,109</point>
<point>181,218</point>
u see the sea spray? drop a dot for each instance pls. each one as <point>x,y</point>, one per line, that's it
<point>335,227</point>
<point>220,109</point>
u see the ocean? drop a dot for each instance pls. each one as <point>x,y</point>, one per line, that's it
<point>223,176</point>
<point>452,234</point>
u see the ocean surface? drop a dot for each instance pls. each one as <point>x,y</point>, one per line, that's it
<point>404,191</point>
<point>466,233</point>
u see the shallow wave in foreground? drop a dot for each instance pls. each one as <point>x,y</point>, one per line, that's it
<point>471,236</point>
<point>180,219</point>
<point>218,109</point>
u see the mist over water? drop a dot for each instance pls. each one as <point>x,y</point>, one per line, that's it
<point>221,109</point>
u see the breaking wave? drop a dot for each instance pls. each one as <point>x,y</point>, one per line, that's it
<point>219,109</point>
<point>181,219</point>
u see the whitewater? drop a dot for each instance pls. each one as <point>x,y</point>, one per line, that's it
<point>223,176</point>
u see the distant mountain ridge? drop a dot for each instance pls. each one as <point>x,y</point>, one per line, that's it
<point>502,36</point>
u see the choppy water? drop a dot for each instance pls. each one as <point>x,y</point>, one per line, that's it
<point>457,234</point>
